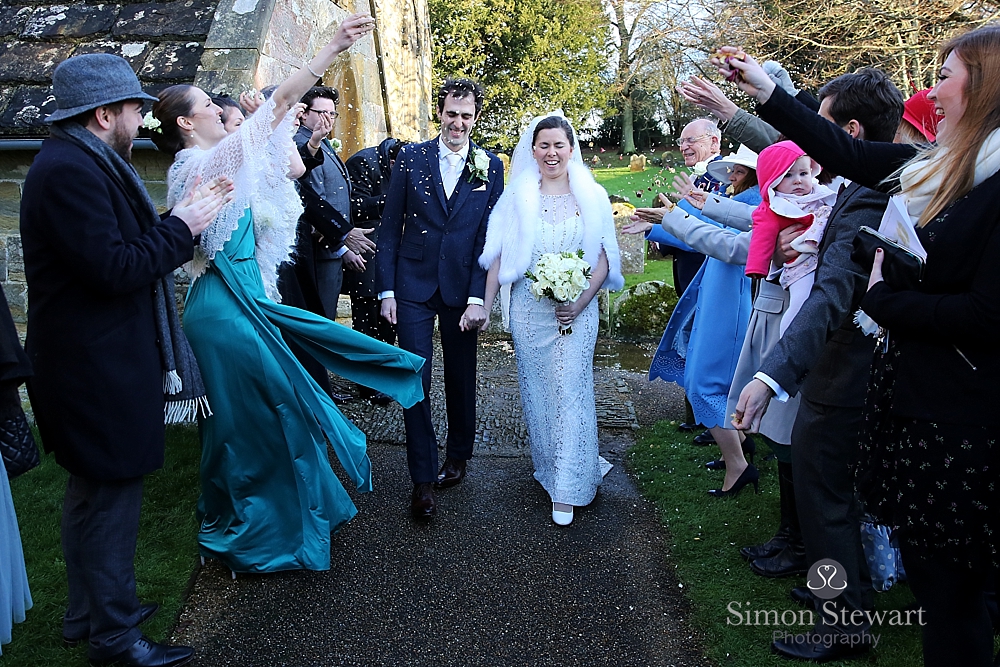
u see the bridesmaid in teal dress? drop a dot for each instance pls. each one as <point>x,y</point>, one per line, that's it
<point>270,499</point>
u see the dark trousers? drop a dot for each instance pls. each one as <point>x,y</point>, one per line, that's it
<point>329,279</point>
<point>958,629</point>
<point>415,324</point>
<point>824,452</point>
<point>100,526</point>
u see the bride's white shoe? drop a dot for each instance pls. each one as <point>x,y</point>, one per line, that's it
<point>560,515</point>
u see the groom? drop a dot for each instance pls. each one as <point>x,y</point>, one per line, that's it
<point>432,234</point>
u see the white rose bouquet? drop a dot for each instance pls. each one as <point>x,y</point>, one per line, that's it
<point>560,276</point>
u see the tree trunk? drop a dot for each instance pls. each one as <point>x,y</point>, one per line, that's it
<point>628,134</point>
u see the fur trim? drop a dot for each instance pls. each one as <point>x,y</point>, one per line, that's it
<point>510,234</point>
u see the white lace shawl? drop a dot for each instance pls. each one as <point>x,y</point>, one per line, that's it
<point>257,159</point>
<point>510,234</point>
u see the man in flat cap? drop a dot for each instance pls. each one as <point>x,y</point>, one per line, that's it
<point>104,341</point>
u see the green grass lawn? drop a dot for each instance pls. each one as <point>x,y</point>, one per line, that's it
<point>167,552</point>
<point>638,187</point>
<point>705,536</point>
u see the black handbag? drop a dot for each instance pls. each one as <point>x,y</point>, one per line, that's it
<point>17,445</point>
<point>901,268</point>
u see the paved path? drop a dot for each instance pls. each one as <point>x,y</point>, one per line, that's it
<point>491,581</point>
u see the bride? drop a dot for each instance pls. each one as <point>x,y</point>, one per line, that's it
<point>553,205</point>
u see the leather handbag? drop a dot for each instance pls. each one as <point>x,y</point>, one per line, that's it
<point>17,445</point>
<point>901,268</point>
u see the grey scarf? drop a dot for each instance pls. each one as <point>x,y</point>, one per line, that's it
<point>182,385</point>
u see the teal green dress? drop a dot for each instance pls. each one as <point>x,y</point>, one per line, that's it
<point>269,497</point>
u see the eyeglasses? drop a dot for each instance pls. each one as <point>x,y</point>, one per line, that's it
<point>332,114</point>
<point>687,141</point>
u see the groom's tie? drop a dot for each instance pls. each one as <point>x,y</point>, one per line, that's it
<point>453,173</point>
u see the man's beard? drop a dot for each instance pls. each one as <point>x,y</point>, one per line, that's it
<point>121,142</point>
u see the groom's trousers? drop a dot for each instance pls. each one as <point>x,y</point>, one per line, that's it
<point>415,327</point>
<point>100,527</point>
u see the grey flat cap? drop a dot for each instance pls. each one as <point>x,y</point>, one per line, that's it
<point>82,83</point>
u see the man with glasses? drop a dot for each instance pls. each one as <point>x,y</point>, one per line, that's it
<point>331,182</point>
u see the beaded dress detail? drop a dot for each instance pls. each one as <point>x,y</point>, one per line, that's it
<point>555,372</point>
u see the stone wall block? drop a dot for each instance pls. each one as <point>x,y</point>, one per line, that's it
<point>134,52</point>
<point>31,62</point>
<point>172,62</point>
<point>28,108</point>
<point>229,59</point>
<point>15,259</point>
<point>240,24</point>
<point>151,165</point>
<point>74,21</point>
<point>158,193</point>
<point>14,165</point>
<point>227,81</point>
<point>170,20</point>
<point>17,299</point>
<point>10,206</point>
<point>12,20</point>
<point>3,259</point>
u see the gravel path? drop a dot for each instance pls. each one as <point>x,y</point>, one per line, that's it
<point>491,581</point>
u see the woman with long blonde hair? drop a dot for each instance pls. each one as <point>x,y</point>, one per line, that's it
<point>930,460</point>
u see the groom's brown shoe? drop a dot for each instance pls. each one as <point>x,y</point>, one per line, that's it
<point>422,504</point>
<point>452,472</point>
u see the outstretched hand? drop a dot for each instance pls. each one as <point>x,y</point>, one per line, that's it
<point>251,101</point>
<point>357,241</point>
<point>351,30</point>
<point>706,95</point>
<point>202,204</point>
<point>752,79</point>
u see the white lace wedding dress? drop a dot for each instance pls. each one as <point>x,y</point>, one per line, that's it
<point>556,372</point>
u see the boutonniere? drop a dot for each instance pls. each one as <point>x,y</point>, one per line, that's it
<point>479,166</point>
<point>700,168</point>
<point>151,123</point>
<point>335,144</point>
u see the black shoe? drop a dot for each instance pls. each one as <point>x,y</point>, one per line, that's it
<point>146,612</point>
<point>687,427</point>
<point>791,561</point>
<point>147,653</point>
<point>704,438</point>
<point>803,596</point>
<point>378,398</point>
<point>720,464</point>
<point>422,503</point>
<point>749,476</point>
<point>768,549</point>
<point>823,648</point>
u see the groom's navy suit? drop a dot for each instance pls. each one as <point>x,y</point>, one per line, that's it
<point>428,252</point>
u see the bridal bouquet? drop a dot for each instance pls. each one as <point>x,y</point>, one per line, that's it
<point>560,276</point>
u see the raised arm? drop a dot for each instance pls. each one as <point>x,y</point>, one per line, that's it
<point>295,86</point>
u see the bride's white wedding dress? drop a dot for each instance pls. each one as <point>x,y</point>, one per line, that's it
<point>556,372</point>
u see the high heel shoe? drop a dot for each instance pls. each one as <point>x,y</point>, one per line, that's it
<point>719,464</point>
<point>749,448</point>
<point>750,476</point>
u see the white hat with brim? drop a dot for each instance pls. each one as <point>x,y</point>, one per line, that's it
<point>719,169</point>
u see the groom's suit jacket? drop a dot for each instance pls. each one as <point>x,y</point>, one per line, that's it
<point>429,242</point>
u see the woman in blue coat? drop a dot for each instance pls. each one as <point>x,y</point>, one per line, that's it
<point>703,338</point>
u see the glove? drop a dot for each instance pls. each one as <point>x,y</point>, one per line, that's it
<point>779,75</point>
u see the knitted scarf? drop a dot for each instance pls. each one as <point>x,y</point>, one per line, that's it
<point>183,389</point>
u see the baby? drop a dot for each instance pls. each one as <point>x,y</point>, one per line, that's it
<point>790,195</point>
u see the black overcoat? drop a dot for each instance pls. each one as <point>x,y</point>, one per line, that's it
<point>97,390</point>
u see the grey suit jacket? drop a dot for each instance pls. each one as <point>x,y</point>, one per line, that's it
<point>729,212</point>
<point>729,246</point>
<point>823,354</point>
